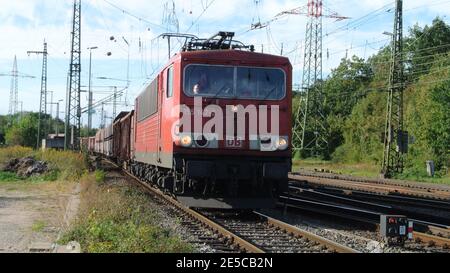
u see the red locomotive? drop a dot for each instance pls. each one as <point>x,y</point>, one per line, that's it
<point>242,159</point>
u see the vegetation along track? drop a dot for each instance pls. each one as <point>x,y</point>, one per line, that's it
<point>249,232</point>
<point>381,186</point>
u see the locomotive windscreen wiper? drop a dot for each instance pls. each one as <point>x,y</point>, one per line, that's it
<point>270,93</point>
<point>221,90</point>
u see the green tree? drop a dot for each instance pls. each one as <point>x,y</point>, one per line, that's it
<point>85,132</point>
<point>343,89</point>
<point>425,46</point>
<point>362,131</point>
<point>24,132</point>
<point>3,126</point>
<point>427,101</point>
<point>428,117</point>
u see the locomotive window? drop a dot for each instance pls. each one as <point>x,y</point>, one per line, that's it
<point>170,82</point>
<point>209,81</point>
<point>148,101</point>
<point>235,82</point>
<point>260,83</point>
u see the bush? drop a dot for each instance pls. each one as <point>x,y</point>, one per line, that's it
<point>24,132</point>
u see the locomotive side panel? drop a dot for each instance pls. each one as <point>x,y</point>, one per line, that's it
<point>147,129</point>
<point>170,99</point>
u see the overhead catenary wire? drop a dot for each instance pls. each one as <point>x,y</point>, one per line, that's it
<point>137,17</point>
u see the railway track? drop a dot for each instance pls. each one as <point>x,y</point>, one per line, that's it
<point>422,211</point>
<point>430,234</point>
<point>253,232</point>
<point>249,232</point>
<point>380,186</point>
<point>274,236</point>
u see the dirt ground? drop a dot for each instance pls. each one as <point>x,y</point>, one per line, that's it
<point>33,216</point>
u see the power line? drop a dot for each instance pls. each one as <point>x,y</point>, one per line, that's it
<point>128,13</point>
<point>205,8</point>
<point>360,21</point>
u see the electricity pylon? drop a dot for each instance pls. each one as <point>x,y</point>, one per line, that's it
<point>73,107</point>
<point>395,138</point>
<point>43,97</point>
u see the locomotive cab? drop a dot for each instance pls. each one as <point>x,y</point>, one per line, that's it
<point>221,118</point>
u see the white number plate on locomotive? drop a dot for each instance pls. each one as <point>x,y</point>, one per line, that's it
<point>234,143</point>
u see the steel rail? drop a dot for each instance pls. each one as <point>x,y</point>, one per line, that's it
<point>328,209</point>
<point>391,199</point>
<point>440,232</point>
<point>235,240</point>
<point>388,182</point>
<point>432,239</point>
<point>371,186</point>
<point>310,236</point>
<point>423,218</point>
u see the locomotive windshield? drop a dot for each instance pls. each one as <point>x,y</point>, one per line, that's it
<point>235,82</point>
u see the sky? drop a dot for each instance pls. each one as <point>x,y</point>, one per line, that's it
<point>107,24</point>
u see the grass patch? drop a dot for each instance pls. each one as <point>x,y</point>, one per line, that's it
<point>117,219</point>
<point>361,170</point>
<point>69,165</point>
<point>9,153</point>
<point>63,165</point>
<point>38,226</point>
<point>100,176</point>
<point>9,177</point>
<point>445,179</point>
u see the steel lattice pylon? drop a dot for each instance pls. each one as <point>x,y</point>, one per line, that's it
<point>43,96</point>
<point>310,129</point>
<point>170,19</point>
<point>73,107</point>
<point>396,139</point>
<point>14,93</point>
<point>43,101</point>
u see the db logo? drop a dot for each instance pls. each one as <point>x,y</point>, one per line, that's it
<point>234,143</point>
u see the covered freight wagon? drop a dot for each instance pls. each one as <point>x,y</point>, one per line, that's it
<point>123,132</point>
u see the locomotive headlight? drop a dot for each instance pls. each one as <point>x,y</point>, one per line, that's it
<point>282,143</point>
<point>186,141</point>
